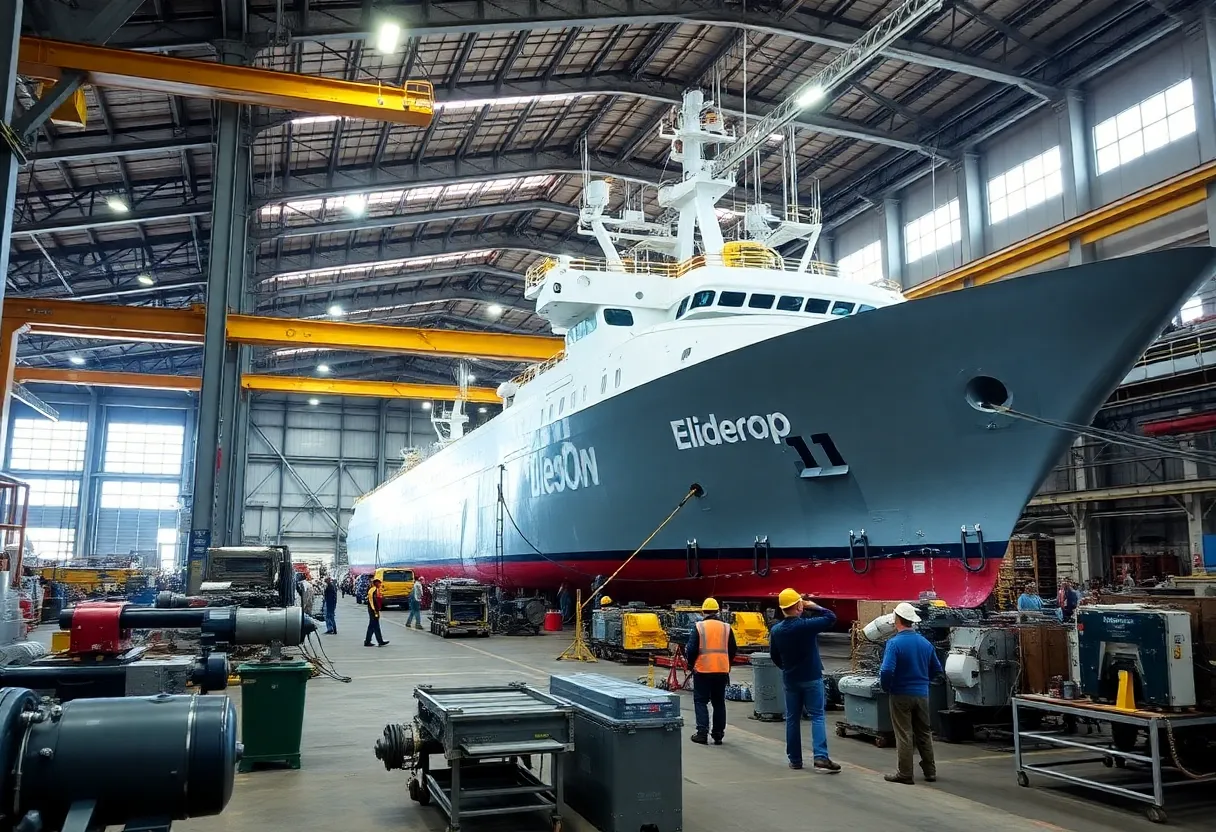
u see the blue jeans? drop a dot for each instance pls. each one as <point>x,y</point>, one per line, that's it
<point>415,613</point>
<point>331,626</point>
<point>808,697</point>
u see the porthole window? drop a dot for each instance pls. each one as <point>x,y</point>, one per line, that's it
<point>561,406</point>
<point>603,383</point>
<point>687,352</point>
<point>618,376</point>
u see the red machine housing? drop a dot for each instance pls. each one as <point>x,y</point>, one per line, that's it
<point>96,629</point>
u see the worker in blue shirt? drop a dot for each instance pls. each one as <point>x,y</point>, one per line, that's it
<point>1029,601</point>
<point>909,663</point>
<point>794,647</point>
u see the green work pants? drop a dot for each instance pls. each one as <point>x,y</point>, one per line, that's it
<point>910,719</point>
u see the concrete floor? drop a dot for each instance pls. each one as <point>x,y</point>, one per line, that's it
<point>743,785</point>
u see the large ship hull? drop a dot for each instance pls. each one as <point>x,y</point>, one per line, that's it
<point>845,459</point>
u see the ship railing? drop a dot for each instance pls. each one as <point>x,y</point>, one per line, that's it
<point>745,256</point>
<point>536,369</point>
<point>1178,349</point>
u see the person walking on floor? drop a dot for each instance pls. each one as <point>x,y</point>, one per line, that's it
<point>329,602</point>
<point>909,664</point>
<point>794,647</point>
<point>415,605</point>
<point>710,651</point>
<point>375,604</point>
<point>565,602</point>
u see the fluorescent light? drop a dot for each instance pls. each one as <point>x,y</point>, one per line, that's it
<point>481,410</point>
<point>426,405</point>
<point>336,311</point>
<point>314,402</point>
<point>322,368</point>
<point>314,119</point>
<point>356,205</point>
<point>76,359</point>
<point>387,37</point>
<point>494,310</point>
<point>117,204</point>
<point>146,280</point>
<point>811,95</point>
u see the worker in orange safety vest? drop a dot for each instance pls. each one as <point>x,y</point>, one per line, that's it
<point>710,650</point>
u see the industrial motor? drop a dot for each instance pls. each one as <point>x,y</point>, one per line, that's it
<point>103,623</point>
<point>133,761</point>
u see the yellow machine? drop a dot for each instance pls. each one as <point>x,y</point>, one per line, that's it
<point>397,583</point>
<point>751,632</point>
<point>89,580</point>
<point>627,632</point>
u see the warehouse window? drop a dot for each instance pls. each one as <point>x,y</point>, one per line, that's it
<point>42,445</point>
<point>54,493</point>
<point>1024,186</point>
<point>138,448</point>
<point>863,265</point>
<point>153,496</point>
<point>51,543</point>
<point>166,545</point>
<point>931,232</point>
<point>1152,124</point>
<point>1192,310</point>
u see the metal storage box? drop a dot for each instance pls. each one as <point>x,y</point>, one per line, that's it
<point>624,775</point>
<point>768,688</point>
<point>477,721</point>
<point>865,705</point>
<point>615,698</point>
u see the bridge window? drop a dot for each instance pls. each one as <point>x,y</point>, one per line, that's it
<point>842,307</point>
<point>789,303</point>
<point>761,301</point>
<point>681,309</point>
<point>732,298</point>
<point>703,298</point>
<point>865,307</point>
<point>618,317</point>
<point>581,330</point>
<point>817,306</point>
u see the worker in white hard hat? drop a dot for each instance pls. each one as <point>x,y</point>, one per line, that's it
<point>794,647</point>
<point>909,664</point>
<point>710,650</point>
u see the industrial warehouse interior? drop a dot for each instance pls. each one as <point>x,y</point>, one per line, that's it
<point>628,415</point>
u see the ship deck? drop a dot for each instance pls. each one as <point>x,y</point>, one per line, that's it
<point>743,785</point>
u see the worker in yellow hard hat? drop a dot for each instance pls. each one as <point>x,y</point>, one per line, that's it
<point>606,601</point>
<point>710,651</point>
<point>794,647</point>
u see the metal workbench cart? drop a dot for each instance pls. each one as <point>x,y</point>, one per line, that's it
<point>1158,762</point>
<point>490,737</point>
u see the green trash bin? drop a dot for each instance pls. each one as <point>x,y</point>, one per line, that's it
<point>272,711</point>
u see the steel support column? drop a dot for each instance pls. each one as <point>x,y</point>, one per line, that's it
<point>1205,104</point>
<point>971,191</point>
<point>893,240</point>
<point>1076,158</point>
<point>381,441</point>
<point>10,22</point>
<point>86,513</point>
<point>226,273</point>
<point>827,249</point>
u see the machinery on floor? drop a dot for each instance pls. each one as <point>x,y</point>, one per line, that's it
<point>1153,645</point>
<point>630,633</point>
<point>490,737</point>
<point>518,616</point>
<point>102,661</point>
<point>244,576</point>
<point>460,606</point>
<point>749,626</point>
<point>139,762</point>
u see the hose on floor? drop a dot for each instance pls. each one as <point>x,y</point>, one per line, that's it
<point>317,657</point>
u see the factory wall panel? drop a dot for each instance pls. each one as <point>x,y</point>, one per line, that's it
<point>858,233</point>
<point>1185,227</point>
<point>925,196</point>
<point>1040,134</point>
<point>130,531</point>
<point>1114,92</point>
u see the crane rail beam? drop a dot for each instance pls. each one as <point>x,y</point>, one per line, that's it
<point>412,104</point>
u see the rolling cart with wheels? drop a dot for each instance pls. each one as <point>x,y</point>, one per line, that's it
<point>1117,754</point>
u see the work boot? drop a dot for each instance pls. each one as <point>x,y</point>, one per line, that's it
<point>382,644</point>
<point>367,644</point>
<point>905,779</point>
<point>417,626</point>
<point>826,766</point>
<point>929,774</point>
<point>796,766</point>
<point>700,739</point>
<point>717,740</point>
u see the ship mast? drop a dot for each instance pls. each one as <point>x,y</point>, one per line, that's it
<point>692,201</point>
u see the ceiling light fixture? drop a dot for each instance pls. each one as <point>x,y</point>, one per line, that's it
<point>356,206</point>
<point>811,95</point>
<point>336,311</point>
<point>117,204</point>
<point>76,359</point>
<point>387,37</point>
<point>146,280</point>
<point>314,402</point>
<point>494,310</point>
<point>322,368</point>
<point>426,405</point>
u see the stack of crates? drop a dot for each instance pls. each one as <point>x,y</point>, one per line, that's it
<point>1029,559</point>
<point>625,773</point>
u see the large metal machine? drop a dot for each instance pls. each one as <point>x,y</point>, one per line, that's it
<point>141,763</point>
<point>1153,645</point>
<point>460,606</point>
<point>982,666</point>
<point>488,735</point>
<point>247,576</point>
<point>631,632</point>
<point>102,661</point>
<point>518,616</point>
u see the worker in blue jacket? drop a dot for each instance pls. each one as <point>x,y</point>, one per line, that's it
<point>794,647</point>
<point>909,664</point>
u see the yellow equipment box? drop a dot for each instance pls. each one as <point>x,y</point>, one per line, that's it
<point>750,630</point>
<point>61,640</point>
<point>643,631</point>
